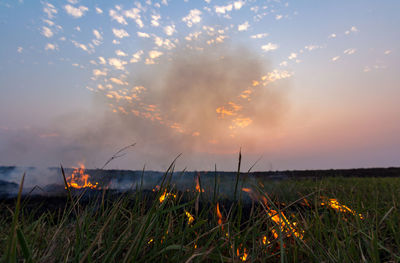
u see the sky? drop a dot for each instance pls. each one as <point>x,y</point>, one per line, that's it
<point>293,84</point>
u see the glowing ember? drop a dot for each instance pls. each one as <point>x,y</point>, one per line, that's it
<point>334,204</point>
<point>79,179</point>
<point>244,256</point>
<point>190,217</point>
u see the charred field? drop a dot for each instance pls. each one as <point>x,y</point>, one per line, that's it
<point>309,216</point>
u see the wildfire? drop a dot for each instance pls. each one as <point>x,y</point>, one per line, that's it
<point>79,179</point>
<point>334,204</point>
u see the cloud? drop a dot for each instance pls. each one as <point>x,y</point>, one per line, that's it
<point>120,53</point>
<point>278,17</point>
<point>238,4</point>
<point>169,30</point>
<point>102,60</point>
<point>154,20</point>
<point>333,35</point>
<point>312,47</point>
<point>244,26</point>
<point>193,17</point>
<point>335,58</point>
<point>258,36</point>
<point>47,32</point>
<point>143,34</point>
<point>134,14</point>
<point>223,9</point>
<point>81,46</point>
<point>76,12</point>
<point>120,33</point>
<point>50,46</point>
<point>136,57</point>
<point>118,81</point>
<point>117,17</point>
<point>117,63</point>
<point>387,52</point>
<point>269,47</point>
<point>166,43</point>
<point>50,10</point>
<point>98,72</point>
<point>99,11</point>
<point>155,54</point>
<point>350,51</point>
<point>292,56</point>
<point>352,29</point>
<point>20,49</point>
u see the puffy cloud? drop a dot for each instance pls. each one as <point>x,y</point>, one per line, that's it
<point>269,47</point>
<point>50,46</point>
<point>120,33</point>
<point>118,81</point>
<point>244,26</point>
<point>278,17</point>
<point>143,34</point>
<point>117,63</point>
<point>99,11</point>
<point>81,46</point>
<point>350,51</point>
<point>312,47</point>
<point>76,12</point>
<point>238,4</point>
<point>333,35</point>
<point>223,9</point>
<point>193,17</point>
<point>47,32</point>
<point>117,17</point>
<point>292,56</point>
<point>387,52</point>
<point>98,72</point>
<point>136,57</point>
<point>257,36</point>
<point>166,43</point>
<point>50,10</point>
<point>335,58</point>
<point>134,14</point>
<point>98,37</point>
<point>155,54</point>
<point>102,60</point>
<point>19,49</point>
<point>120,53</point>
<point>352,29</point>
<point>169,30</point>
<point>154,20</point>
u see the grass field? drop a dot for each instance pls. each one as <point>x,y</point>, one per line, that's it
<point>265,221</point>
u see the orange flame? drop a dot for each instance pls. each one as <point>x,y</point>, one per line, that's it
<point>165,195</point>
<point>79,179</point>
<point>244,256</point>
<point>219,216</point>
<point>190,217</point>
<point>198,189</point>
<point>334,204</point>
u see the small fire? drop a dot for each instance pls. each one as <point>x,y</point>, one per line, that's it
<point>244,256</point>
<point>334,204</point>
<point>190,217</point>
<point>165,195</point>
<point>198,188</point>
<point>219,215</point>
<point>79,179</point>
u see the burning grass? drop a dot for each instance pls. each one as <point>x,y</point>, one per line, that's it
<point>330,220</point>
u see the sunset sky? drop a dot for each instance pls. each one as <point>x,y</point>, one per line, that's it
<point>302,84</point>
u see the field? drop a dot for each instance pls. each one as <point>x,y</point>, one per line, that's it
<point>332,219</point>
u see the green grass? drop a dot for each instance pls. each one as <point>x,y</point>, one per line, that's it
<point>136,227</point>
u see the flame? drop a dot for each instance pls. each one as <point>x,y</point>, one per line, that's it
<point>190,217</point>
<point>245,254</point>
<point>283,223</point>
<point>165,195</point>
<point>198,189</point>
<point>219,216</point>
<point>334,204</point>
<point>265,241</point>
<point>79,179</point>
